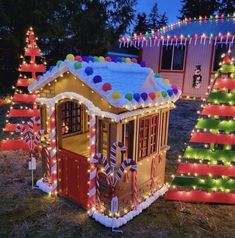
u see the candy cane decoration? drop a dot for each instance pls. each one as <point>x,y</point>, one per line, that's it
<point>153,174</point>
<point>109,168</point>
<point>93,169</point>
<point>53,161</point>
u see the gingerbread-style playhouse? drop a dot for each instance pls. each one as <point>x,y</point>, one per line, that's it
<point>106,127</point>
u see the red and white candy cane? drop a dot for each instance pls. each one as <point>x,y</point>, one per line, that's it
<point>93,169</point>
<point>153,174</point>
<point>53,161</point>
<point>113,152</point>
<point>99,159</point>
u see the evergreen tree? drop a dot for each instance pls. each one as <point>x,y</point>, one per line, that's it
<point>227,6</point>
<point>196,8</point>
<point>66,26</point>
<point>142,23</point>
<point>162,21</point>
<point>154,17</point>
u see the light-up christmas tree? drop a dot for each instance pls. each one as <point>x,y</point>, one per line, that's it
<point>206,171</point>
<point>23,104</point>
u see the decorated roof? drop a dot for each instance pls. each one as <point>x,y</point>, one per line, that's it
<point>218,28</point>
<point>121,81</point>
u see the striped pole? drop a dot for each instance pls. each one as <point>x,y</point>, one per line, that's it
<point>93,169</point>
<point>153,175</point>
<point>53,161</point>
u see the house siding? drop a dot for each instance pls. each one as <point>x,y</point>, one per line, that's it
<point>151,55</point>
<point>199,54</point>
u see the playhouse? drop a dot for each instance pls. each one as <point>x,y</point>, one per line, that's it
<point>106,128</point>
<point>187,53</point>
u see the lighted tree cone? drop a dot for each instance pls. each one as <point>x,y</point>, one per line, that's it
<point>206,173</point>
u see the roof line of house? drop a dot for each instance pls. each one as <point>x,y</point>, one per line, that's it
<point>160,35</point>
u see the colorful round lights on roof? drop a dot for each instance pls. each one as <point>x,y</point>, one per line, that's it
<point>97,79</point>
<point>116,95</point>
<point>136,97</point>
<point>70,57</point>
<point>77,65</point>
<point>58,63</point>
<point>144,96</point>
<point>106,87</point>
<point>129,96</point>
<point>89,70</point>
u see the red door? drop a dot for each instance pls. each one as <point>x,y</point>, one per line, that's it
<point>73,177</point>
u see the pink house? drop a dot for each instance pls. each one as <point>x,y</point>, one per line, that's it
<point>187,53</point>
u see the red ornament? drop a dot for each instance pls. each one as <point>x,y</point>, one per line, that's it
<point>78,58</point>
<point>108,59</point>
<point>106,87</point>
<point>152,95</point>
<point>134,60</point>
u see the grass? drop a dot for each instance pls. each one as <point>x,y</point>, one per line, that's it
<point>30,213</point>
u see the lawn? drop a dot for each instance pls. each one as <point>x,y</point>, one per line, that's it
<point>31,213</point>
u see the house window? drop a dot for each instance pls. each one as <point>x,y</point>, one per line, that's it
<point>219,50</point>
<point>128,138</point>
<point>173,57</point>
<point>71,117</point>
<point>148,127</point>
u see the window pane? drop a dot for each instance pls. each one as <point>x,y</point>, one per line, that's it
<point>219,50</point>
<point>178,61</point>
<point>166,57</point>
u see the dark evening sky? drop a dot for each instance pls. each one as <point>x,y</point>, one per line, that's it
<point>171,7</point>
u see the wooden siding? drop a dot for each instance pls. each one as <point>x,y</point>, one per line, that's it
<point>197,55</point>
<point>175,78</point>
<point>151,56</point>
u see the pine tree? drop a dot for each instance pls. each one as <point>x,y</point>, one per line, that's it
<point>162,21</point>
<point>227,6</point>
<point>23,105</point>
<point>154,17</point>
<point>142,23</point>
<point>206,170</point>
<point>196,8</point>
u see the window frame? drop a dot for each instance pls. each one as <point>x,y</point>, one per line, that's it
<point>69,106</point>
<point>172,59</point>
<point>213,58</point>
<point>149,144</point>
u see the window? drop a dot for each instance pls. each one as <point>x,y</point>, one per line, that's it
<point>219,50</point>
<point>103,135</point>
<point>173,57</point>
<point>128,138</point>
<point>148,127</point>
<point>164,128</point>
<point>71,117</point>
